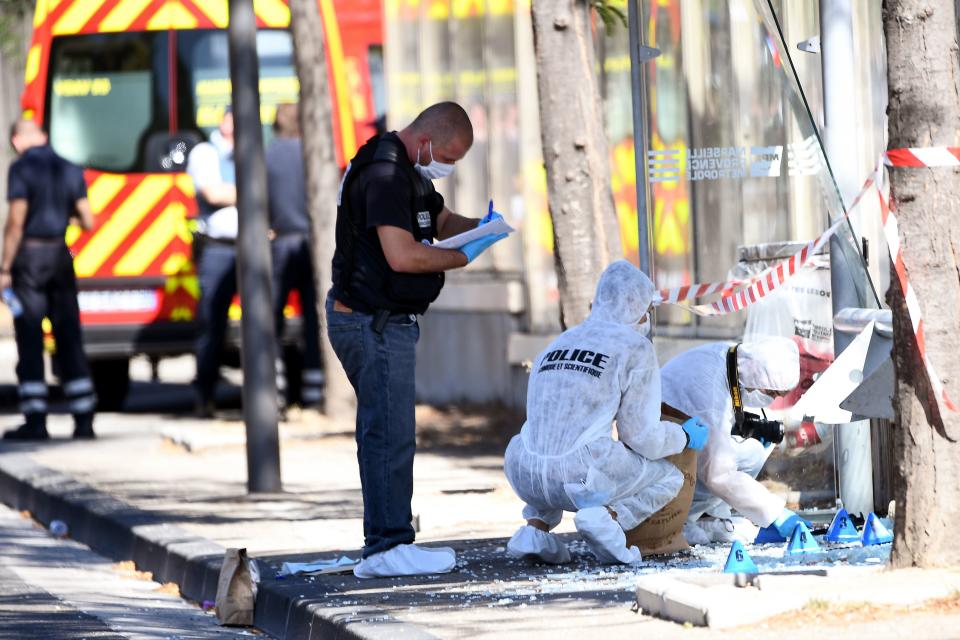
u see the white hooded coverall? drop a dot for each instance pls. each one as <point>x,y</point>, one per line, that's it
<point>695,382</point>
<point>565,457</point>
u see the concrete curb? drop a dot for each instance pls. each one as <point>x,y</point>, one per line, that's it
<point>121,531</point>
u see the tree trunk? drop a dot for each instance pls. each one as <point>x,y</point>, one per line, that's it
<point>323,177</point>
<point>924,110</point>
<point>575,152</point>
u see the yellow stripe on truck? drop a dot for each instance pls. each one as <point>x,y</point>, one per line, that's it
<point>348,133</point>
<point>216,10</point>
<point>153,241</point>
<point>122,16</point>
<point>103,190</point>
<point>33,64</point>
<point>172,15</point>
<point>124,220</point>
<point>274,13</point>
<point>74,18</point>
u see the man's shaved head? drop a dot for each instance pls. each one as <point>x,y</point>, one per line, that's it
<point>26,133</point>
<point>444,122</point>
<point>22,126</point>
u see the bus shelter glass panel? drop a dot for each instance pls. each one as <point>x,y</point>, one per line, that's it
<point>738,182</point>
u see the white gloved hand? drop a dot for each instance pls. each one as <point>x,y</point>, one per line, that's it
<point>530,542</point>
<point>407,560</point>
<point>604,536</point>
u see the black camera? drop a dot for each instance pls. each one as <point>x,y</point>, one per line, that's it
<point>753,426</point>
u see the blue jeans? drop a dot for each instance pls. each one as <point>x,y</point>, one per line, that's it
<point>381,368</point>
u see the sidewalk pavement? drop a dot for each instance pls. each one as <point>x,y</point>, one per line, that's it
<point>170,494</point>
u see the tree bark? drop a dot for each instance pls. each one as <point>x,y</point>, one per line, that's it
<point>575,152</point>
<point>924,110</point>
<point>322,179</point>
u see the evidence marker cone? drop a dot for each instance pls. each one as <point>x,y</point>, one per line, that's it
<point>842,528</point>
<point>739,561</point>
<point>801,541</point>
<point>767,535</point>
<point>874,532</point>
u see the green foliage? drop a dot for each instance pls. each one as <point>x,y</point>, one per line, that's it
<point>610,12</point>
<point>13,15</point>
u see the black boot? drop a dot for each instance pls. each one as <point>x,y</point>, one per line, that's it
<point>83,426</point>
<point>35,428</point>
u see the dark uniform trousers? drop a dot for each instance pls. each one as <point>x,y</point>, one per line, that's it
<point>44,281</point>
<point>217,273</point>
<point>293,270</point>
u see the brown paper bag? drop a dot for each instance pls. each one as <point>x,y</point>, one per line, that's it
<point>236,589</point>
<point>662,533</point>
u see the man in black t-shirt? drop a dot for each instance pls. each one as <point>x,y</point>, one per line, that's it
<point>45,192</point>
<point>385,271</point>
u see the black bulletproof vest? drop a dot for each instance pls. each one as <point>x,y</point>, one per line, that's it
<point>370,287</point>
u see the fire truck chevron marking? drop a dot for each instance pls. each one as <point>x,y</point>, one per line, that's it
<point>124,219</point>
<point>172,15</point>
<point>74,18</point>
<point>152,242</point>
<point>273,13</point>
<point>33,63</point>
<point>122,16</point>
<point>216,12</point>
<point>103,190</point>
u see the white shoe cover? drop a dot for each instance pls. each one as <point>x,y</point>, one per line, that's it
<point>530,542</point>
<point>604,536</point>
<point>694,534</point>
<point>719,529</point>
<point>407,560</point>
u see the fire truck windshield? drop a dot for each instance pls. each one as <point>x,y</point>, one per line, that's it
<point>110,95</point>
<point>106,97</point>
<point>204,77</point>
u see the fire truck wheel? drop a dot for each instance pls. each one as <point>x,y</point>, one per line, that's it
<point>111,380</point>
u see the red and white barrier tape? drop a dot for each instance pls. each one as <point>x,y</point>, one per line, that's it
<point>774,277</point>
<point>763,284</point>
<point>892,235</point>
<point>923,157</point>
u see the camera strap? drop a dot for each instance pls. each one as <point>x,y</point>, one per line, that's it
<point>733,379</point>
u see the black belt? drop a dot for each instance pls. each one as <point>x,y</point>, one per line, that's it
<point>43,242</point>
<point>227,242</point>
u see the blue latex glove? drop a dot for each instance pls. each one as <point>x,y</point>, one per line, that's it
<point>475,247</point>
<point>786,522</point>
<point>696,433</point>
<point>491,215</point>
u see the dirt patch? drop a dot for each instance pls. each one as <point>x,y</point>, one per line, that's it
<point>169,588</point>
<point>128,569</point>
<point>822,612</point>
<point>467,429</point>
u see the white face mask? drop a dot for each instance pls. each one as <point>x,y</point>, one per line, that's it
<point>756,398</point>
<point>434,170</point>
<point>644,327</point>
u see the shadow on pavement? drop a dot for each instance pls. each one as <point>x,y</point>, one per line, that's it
<point>168,399</point>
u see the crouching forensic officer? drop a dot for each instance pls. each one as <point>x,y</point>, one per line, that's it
<point>385,273</point>
<point>44,192</point>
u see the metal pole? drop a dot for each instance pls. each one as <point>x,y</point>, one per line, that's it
<point>253,257</point>
<point>640,55</point>
<point>638,86</point>
<point>852,443</point>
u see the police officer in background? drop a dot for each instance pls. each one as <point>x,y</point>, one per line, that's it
<point>385,273</point>
<point>210,165</point>
<point>45,192</point>
<point>290,250</point>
